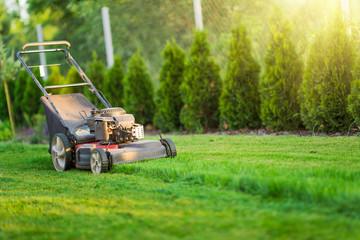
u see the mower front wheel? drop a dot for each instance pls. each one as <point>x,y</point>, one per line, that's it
<point>99,162</point>
<point>170,147</point>
<point>61,152</point>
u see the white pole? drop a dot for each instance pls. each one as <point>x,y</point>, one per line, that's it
<point>198,15</point>
<point>345,9</point>
<point>107,36</point>
<point>43,69</point>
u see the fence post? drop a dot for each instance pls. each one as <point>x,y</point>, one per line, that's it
<point>107,36</point>
<point>43,69</point>
<point>198,15</point>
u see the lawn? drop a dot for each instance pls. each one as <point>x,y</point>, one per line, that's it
<point>219,187</point>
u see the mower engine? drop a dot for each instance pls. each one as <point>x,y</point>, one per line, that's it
<point>113,125</point>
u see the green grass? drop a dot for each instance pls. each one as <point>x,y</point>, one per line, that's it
<point>219,187</point>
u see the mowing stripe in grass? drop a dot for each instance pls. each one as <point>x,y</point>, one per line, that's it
<point>275,175</point>
<point>266,188</point>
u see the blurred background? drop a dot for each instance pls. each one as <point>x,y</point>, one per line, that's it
<point>148,25</point>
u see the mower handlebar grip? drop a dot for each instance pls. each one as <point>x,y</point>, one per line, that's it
<point>35,44</point>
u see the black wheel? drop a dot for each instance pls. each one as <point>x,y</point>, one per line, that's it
<point>170,147</point>
<point>99,162</point>
<point>61,152</point>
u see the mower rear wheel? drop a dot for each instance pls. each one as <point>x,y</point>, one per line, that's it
<point>61,152</point>
<point>99,162</point>
<point>170,147</point>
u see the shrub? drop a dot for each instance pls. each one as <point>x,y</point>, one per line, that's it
<point>168,98</point>
<point>5,131</point>
<point>239,100</point>
<point>354,96</point>
<point>38,132</point>
<point>30,102</point>
<point>201,88</point>
<point>55,78</point>
<point>113,86</point>
<point>72,77</point>
<point>138,90</point>
<point>19,90</point>
<point>96,71</point>
<point>327,79</point>
<point>8,70</point>
<point>281,80</point>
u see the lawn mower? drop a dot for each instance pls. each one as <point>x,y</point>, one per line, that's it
<point>83,136</point>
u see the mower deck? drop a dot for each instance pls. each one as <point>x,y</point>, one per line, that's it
<point>123,153</point>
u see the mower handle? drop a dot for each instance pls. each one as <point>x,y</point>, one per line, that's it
<point>35,44</point>
<point>67,85</point>
<point>92,89</point>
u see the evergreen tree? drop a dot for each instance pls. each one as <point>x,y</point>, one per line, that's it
<point>31,99</point>
<point>168,98</point>
<point>239,100</point>
<point>19,90</point>
<point>201,88</point>
<point>113,86</point>
<point>327,79</point>
<point>8,70</point>
<point>354,96</point>
<point>138,91</point>
<point>96,72</point>
<point>71,78</point>
<point>280,83</point>
<point>55,78</point>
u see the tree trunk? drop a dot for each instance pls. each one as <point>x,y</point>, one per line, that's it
<point>8,100</point>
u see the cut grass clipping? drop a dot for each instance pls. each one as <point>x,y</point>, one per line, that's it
<point>283,187</point>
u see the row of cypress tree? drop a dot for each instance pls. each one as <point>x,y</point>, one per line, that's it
<point>284,96</point>
<point>324,95</point>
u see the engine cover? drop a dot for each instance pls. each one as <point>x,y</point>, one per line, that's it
<point>113,125</point>
<point>112,112</point>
